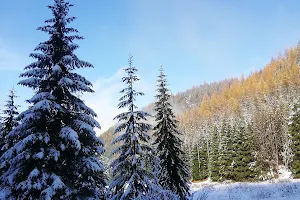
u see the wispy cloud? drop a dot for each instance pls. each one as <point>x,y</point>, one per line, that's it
<point>104,100</point>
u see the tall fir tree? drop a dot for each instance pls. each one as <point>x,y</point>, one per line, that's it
<point>200,160</point>
<point>196,164</point>
<point>131,179</point>
<point>214,156</point>
<point>225,155</point>
<point>242,156</point>
<point>254,164</point>
<point>56,155</point>
<point>9,121</point>
<point>294,131</point>
<point>203,158</point>
<point>175,173</point>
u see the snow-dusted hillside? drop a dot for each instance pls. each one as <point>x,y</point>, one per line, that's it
<point>272,190</point>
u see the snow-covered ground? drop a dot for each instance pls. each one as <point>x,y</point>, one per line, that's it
<point>247,191</point>
<point>3,194</point>
<point>276,190</point>
<point>283,188</point>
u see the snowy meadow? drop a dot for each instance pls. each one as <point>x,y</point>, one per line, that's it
<point>247,191</point>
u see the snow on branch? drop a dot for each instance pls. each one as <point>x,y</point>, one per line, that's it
<point>70,136</point>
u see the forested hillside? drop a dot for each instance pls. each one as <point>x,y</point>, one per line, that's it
<point>260,105</point>
<point>257,107</point>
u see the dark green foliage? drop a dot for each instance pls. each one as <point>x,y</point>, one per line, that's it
<point>174,172</point>
<point>294,131</point>
<point>214,156</point>
<point>200,162</point>
<point>203,158</point>
<point>196,164</point>
<point>230,154</point>
<point>242,156</point>
<point>226,151</point>
<point>254,164</point>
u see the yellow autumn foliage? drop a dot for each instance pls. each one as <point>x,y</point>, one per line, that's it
<point>279,75</point>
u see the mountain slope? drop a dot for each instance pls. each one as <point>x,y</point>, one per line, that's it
<point>263,100</point>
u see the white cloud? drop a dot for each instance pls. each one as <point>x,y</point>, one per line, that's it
<point>104,100</point>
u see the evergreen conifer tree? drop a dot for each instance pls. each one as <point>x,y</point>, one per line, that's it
<point>9,121</point>
<point>131,179</point>
<point>235,153</point>
<point>200,162</point>
<point>294,131</point>
<point>196,164</point>
<point>225,156</point>
<point>203,161</point>
<point>242,156</point>
<point>56,155</point>
<point>175,173</point>
<point>214,156</point>
<point>254,165</point>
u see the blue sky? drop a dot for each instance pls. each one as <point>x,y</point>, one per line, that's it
<point>195,41</point>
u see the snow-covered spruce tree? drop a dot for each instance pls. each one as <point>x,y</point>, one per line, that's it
<point>9,121</point>
<point>294,131</point>
<point>254,165</point>
<point>214,156</point>
<point>242,155</point>
<point>196,164</point>
<point>200,162</point>
<point>203,161</point>
<point>174,174</point>
<point>56,152</point>
<point>225,154</point>
<point>235,153</point>
<point>131,179</point>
